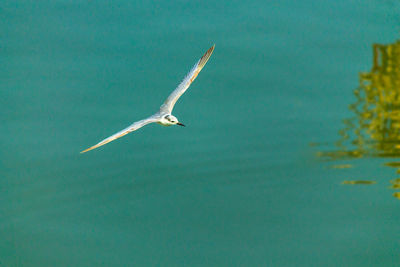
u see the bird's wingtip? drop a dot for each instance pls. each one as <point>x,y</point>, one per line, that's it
<point>205,57</point>
<point>211,48</point>
<point>86,150</point>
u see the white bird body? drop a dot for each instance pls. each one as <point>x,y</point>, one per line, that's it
<point>167,120</point>
<point>163,116</point>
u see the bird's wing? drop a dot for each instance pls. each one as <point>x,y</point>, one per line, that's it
<point>169,103</point>
<point>125,131</point>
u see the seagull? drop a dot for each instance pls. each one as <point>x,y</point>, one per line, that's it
<point>163,116</point>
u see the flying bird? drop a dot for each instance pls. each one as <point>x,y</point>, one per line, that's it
<point>163,116</point>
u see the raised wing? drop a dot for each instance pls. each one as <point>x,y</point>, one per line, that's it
<point>184,85</point>
<point>125,131</point>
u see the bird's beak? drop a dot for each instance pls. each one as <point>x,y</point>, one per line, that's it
<point>181,124</point>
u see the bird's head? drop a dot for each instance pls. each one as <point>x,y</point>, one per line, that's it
<point>172,120</point>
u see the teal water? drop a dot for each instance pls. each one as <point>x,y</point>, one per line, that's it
<point>260,175</point>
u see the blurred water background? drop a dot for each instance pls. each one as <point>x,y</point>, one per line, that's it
<point>288,157</point>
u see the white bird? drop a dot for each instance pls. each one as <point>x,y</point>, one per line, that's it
<point>163,116</point>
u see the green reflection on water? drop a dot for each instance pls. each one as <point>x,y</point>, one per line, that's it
<point>364,182</point>
<point>373,131</point>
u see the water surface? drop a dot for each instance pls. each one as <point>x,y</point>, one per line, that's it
<point>289,157</point>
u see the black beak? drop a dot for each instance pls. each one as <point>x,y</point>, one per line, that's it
<point>181,124</point>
